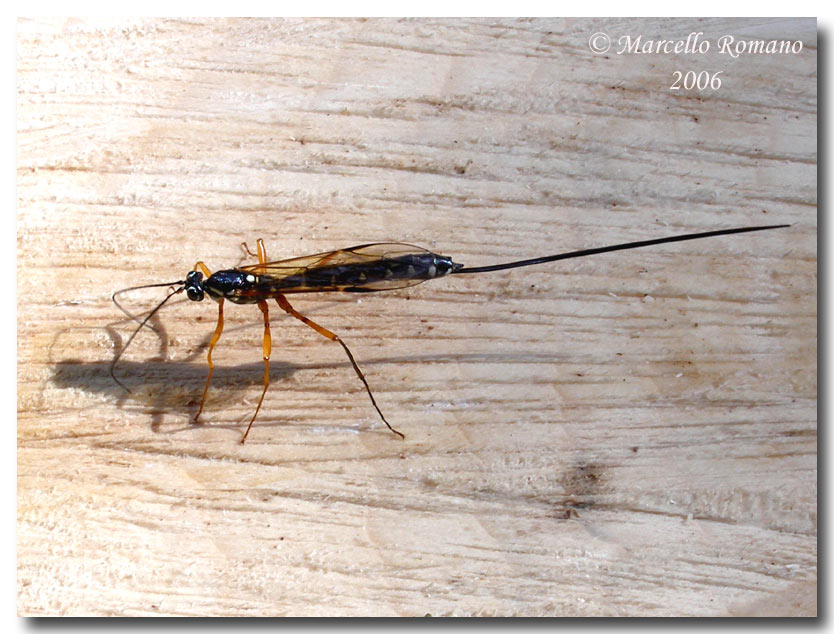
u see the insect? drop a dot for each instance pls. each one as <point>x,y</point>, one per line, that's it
<point>361,269</point>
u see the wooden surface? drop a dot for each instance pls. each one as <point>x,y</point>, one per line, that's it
<point>628,434</point>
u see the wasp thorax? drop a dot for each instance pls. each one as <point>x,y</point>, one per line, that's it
<point>232,284</point>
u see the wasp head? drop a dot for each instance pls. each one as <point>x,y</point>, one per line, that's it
<point>194,286</point>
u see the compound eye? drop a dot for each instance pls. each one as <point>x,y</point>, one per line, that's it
<point>194,294</point>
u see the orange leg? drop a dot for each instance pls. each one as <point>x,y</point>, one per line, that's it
<point>261,254</point>
<point>283,303</point>
<point>203,268</point>
<point>267,351</point>
<point>214,338</point>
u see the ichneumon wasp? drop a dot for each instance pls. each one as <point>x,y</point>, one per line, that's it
<point>365,268</point>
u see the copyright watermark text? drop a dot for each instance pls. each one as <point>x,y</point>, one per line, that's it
<point>693,44</point>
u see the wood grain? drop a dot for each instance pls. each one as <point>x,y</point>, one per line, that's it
<point>629,434</point>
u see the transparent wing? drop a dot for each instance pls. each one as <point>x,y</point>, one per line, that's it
<point>364,268</point>
<point>363,253</point>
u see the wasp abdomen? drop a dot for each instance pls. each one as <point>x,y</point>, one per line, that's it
<point>375,275</point>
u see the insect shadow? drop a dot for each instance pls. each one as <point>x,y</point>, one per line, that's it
<point>161,388</point>
<point>157,385</point>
